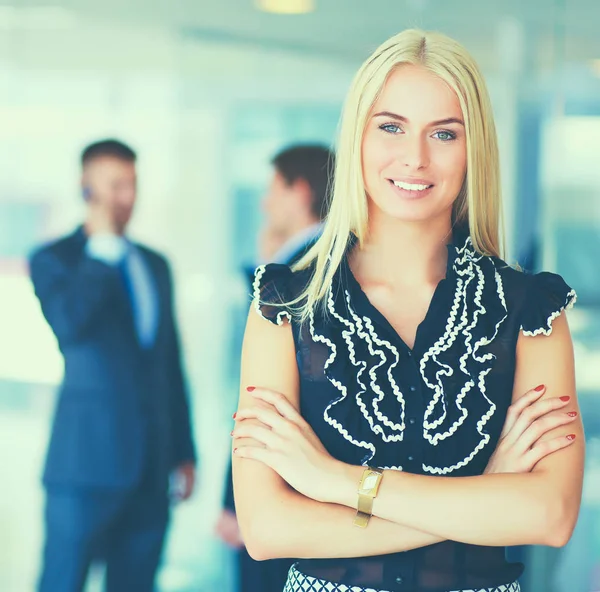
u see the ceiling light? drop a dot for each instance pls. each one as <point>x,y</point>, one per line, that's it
<point>286,6</point>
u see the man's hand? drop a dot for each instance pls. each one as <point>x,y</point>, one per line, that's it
<point>185,477</point>
<point>100,218</point>
<point>228,530</point>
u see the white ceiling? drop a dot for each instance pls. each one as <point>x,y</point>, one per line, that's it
<point>552,30</point>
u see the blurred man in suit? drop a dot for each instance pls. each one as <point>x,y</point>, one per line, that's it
<point>122,421</point>
<point>294,208</point>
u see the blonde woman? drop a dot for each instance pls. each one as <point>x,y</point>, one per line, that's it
<point>410,408</point>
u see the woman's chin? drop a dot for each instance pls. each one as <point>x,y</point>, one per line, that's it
<point>410,210</point>
<point>408,213</point>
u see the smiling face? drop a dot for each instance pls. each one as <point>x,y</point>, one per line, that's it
<point>414,151</point>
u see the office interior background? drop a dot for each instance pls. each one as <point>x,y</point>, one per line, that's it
<point>206,92</point>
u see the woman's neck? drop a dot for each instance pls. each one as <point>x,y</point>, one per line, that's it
<point>403,253</point>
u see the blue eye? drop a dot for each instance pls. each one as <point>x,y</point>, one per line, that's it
<point>390,128</point>
<point>445,135</point>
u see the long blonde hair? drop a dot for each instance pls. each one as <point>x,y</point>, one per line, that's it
<point>478,203</point>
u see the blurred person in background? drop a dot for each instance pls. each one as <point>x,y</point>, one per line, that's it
<point>296,202</point>
<point>294,207</point>
<point>122,427</point>
<point>390,432</point>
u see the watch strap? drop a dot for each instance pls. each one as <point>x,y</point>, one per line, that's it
<point>366,496</point>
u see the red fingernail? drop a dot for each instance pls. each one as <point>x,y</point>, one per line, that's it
<point>572,414</point>
<point>565,399</point>
<point>234,449</point>
<point>250,388</point>
<point>539,388</point>
<point>231,433</point>
<point>571,437</point>
<point>234,415</point>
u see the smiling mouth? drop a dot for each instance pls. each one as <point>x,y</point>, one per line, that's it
<point>410,186</point>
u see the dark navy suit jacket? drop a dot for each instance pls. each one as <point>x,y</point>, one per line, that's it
<point>121,408</point>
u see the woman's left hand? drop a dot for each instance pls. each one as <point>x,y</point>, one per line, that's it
<point>284,441</point>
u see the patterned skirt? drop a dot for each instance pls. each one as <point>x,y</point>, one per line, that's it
<point>299,582</point>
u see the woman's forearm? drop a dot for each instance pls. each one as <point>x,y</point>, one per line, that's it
<point>293,525</point>
<point>502,509</point>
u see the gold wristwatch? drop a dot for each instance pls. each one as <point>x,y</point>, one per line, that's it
<point>367,491</point>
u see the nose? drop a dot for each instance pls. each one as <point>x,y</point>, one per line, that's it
<point>415,154</point>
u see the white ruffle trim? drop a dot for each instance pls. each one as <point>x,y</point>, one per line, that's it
<point>461,322</point>
<point>341,387</point>
<point>356,327</point>
<point>547,330</point>
<point>466,267</point>
<point>284,314</point>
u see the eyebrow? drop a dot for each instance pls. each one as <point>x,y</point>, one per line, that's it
<point>447,121</point>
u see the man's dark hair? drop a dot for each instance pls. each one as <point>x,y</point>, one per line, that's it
<point>109,147</point>
<point>313,163</point>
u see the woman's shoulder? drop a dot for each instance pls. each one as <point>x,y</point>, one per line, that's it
<point>538,298</point>
<point>276,290</point>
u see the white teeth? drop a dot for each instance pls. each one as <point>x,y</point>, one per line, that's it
<point>410,186</point>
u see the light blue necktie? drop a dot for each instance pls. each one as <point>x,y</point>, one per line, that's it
<point>141,291</point>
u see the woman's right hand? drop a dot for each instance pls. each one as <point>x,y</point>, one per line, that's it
<point>528,419</point>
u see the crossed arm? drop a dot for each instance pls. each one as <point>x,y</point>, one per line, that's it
<point>411,511</point>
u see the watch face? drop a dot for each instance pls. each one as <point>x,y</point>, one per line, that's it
<point>370,481</point>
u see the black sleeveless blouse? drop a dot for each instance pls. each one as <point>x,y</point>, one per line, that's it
<point>437,409</point>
